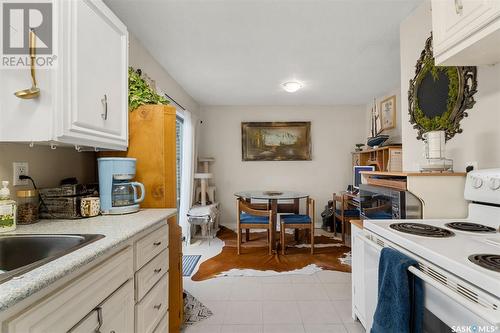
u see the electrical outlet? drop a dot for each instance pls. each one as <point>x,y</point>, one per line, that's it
<point>20,169</point>
<point>473,164</point>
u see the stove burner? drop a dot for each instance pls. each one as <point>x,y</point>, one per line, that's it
<point>488,261</point>
<point>472,227</point>
<point>421,229</point>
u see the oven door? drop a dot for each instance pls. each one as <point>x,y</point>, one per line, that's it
<point>445,309</point>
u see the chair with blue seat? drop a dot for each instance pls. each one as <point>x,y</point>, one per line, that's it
<point>343,214</point>
<point>298,222</point>
<point>251,218</point>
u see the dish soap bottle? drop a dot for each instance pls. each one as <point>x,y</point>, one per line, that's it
<point>7,209</point>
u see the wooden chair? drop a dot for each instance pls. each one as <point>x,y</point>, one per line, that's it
<point>342,214</point>
<point>250,218</point>
<point>297,222</point>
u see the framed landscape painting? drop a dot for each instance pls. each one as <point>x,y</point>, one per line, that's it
<point>276,141</point>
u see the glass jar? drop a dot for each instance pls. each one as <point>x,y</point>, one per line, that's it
<point>28,204</point>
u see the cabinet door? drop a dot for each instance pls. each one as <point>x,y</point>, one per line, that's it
<point>95,70</point>
<point>115,314</point>
<point>455,20</point>
<point>66,307</point>
<point>358,286</point>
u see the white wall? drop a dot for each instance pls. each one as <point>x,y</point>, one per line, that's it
<point>334,131</point>
<point>480,140</point>
<point>139,57</point>
<point>394,133</point>
<point>47,167</point>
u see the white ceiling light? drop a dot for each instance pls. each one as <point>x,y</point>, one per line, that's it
<point>292,86</point>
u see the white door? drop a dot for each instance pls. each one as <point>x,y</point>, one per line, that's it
<point>95,66</point>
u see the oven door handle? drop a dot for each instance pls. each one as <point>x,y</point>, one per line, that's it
<point>371,243</point>
<point>489,315</point>
<point>480,311</point>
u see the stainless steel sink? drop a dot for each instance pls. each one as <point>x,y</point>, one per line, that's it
<point>22,253</point>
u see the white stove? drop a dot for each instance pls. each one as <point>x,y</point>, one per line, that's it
<point>460,268</point>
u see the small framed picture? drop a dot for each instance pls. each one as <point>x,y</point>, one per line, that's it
<point>388,113</point>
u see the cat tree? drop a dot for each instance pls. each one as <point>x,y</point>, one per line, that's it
<point>205,213</point>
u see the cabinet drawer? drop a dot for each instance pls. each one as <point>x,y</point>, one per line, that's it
<point>66,307</point>
<point>163,325</point>
<point>153,307</point>
<point>150,246</point>
<point>116,312</point>
<point>148,275</point>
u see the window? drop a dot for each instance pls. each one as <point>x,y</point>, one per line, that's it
<point>179,129</point>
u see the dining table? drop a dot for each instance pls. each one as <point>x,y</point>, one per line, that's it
<point>278,202</point>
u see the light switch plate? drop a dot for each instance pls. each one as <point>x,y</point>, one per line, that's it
<point>20,168</point>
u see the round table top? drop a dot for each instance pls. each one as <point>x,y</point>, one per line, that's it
<point>269,195</point>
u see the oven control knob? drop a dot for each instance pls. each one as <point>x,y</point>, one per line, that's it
<point>495,183</point>
<point>477,182</point>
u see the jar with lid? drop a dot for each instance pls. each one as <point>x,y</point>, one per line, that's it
<point>28,204</point>
<point>7,209</point>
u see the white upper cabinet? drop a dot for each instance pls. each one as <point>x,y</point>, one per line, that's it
<point>466,32</point>
<point>95,74</point>
<point>84,97</point>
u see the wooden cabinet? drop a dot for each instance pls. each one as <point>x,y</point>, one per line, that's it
<point>358,284</point>
<point>84,96</point>
<point>466,32</point>
<point>153,144</point>
<point>388,158</point>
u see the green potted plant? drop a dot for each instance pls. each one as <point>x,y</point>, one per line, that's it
<point>140,93</point>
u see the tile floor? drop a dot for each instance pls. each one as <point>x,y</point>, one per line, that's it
<point>315,303</point>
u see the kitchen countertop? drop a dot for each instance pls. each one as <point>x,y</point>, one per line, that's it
<point>357,223</point>
<point>116,229</point>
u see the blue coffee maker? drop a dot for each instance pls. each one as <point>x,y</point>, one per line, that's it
<point>118,193</point>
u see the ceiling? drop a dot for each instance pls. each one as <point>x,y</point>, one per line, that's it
<point>238,52</point>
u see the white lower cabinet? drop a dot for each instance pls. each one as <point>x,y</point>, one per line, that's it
<point>65,308</point>
<point>163,325</point>
<point>127,292</point>
<point>151,309</point>
<point>115,314</point>
<point>358,275</point>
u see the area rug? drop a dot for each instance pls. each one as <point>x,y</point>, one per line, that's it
<point>189,263</point>
<point>329,254</point>
<point>194,310</point>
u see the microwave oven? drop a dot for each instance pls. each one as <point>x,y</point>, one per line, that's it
<point>383,203</point>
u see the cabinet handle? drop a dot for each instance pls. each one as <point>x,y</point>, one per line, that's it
<point>158,270</point>
<point>459,7</point>
<point>99,320</point>
<point>157,243</point>
<point>157,306</point>
<point>104,102</point>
